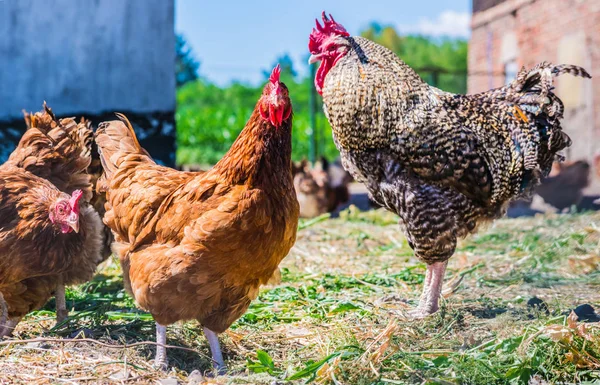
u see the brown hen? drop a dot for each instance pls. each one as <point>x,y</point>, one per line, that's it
<point>199,245</point>
<point>47,240</point>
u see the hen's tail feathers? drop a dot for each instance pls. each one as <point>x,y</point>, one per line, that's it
<point>116,140</point>
<point>57,150</point>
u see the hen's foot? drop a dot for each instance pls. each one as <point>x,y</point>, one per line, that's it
<point>161,364</point>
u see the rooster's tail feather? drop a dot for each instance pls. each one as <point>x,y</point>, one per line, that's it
<point>534,88</point>
<point>532,91</point>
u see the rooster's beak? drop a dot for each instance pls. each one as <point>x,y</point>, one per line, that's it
<point>314,58</point>
<point>73,222</point>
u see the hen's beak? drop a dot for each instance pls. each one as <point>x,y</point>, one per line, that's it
<point>73,222</point>
<point>314,58</point>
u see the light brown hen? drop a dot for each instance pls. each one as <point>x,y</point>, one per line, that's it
<point>199,245</point>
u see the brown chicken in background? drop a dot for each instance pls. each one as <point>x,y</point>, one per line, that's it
<point>49,235</point>
<point>98,200</point>
<point>322,188</point>
<point>339,180</point>
<point>199,245</point>
<point>445,163</point>
<point>312,189</point>
<point>565,188</point>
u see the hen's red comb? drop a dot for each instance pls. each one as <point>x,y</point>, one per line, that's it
<point>74,201</point>
<point>274,78</point>
<point>329,27</point>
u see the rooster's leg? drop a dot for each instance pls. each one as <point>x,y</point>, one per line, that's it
<point>432,288</point>
<point>61,302</point>
<point>215,349</point>
<point>160,361</point>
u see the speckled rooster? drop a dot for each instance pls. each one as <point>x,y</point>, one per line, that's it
<point>444,163</point>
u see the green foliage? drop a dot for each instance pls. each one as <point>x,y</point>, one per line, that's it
<point>209,118</point>
<point>264,364</point>
<point>186,66</point>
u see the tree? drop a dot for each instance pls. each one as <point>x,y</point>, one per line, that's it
<point>186,66</point>
<point>440,61</point>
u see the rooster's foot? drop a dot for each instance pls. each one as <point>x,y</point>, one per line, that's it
<point>420,313</point>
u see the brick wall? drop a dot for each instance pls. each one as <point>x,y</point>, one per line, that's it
<point>526,32</point>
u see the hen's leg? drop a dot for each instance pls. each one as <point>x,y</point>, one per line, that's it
<point>432,288</point>
<point>215,349</point>
<point>160,361</point>
<point>61,302</point>
<point>3,315</point>
<point>8,328</point>
<point>3,311</point>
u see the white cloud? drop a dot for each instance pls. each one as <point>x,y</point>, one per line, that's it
<point>447,23</point>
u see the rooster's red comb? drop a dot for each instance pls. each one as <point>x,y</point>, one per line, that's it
<point>274,78</point>
<point>329,27</point>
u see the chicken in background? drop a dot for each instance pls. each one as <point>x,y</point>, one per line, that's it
<point>311,186</point>
<point>322,188</point>
<point>561,191</point>
<point>200,245</point>
<point>339,179</point>
<point>98,200</point>
<point>445,163</point>
<point>50,236</point>
<point>564,189</point>
<point>597,168</point>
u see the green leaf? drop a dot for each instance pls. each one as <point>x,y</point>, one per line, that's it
<point>346,306</point>
<point>265,359</point>
<point>311,369</point>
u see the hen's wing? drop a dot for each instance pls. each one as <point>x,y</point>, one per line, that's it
<point>219,243</point>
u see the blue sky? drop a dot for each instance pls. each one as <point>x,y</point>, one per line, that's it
<point>237,40</point>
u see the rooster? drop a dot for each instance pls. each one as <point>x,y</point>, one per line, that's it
<point>199,245</point>
<point>444,163</point>
<point>49,235</point>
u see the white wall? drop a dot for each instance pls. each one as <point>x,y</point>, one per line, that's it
<point>86,56</point>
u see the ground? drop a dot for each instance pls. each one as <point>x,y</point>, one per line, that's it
<point>338,315</point>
